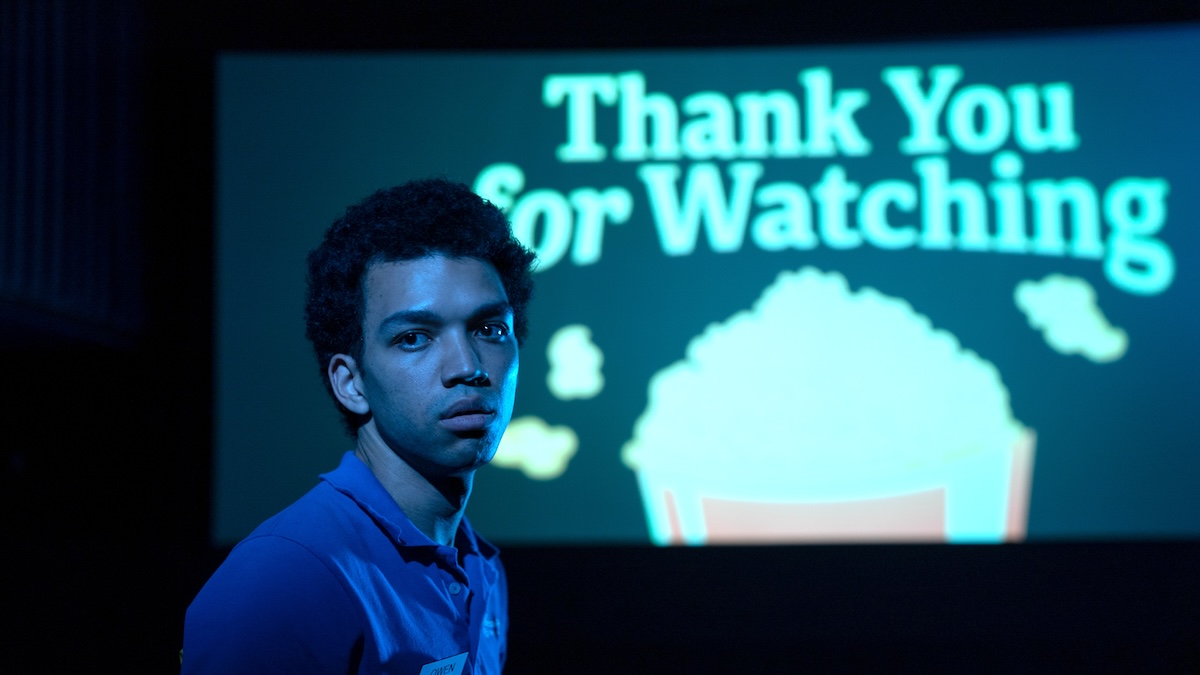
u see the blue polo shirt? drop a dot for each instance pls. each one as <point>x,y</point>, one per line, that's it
<point>341,581</point>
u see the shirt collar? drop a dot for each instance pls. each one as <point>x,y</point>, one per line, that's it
<point>354,479</point>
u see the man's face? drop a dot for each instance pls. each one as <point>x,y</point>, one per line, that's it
<point>439,361</point>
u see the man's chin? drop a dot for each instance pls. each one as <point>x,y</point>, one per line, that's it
<point>472,451</point>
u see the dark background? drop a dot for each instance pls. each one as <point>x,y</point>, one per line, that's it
<point>106,225</point>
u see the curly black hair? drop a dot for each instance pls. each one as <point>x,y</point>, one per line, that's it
<point>414,220</point>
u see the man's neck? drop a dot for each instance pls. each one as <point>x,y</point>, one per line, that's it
<point>435,506</point>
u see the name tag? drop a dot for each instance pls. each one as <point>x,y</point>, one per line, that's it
<point>448,666</point>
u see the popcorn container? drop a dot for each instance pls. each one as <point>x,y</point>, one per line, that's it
<point>981,498</point>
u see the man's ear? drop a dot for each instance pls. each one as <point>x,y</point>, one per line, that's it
<point>346,381</point>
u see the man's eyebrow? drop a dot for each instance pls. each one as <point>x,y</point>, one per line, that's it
<point>420,317</point>
<point>491,310</point>
<point>425,317</point>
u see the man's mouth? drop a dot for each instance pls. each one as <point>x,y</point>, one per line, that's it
<point>468,415</point>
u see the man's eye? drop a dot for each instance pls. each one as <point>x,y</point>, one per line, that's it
<point>412,340</point>
<point>493,331</point>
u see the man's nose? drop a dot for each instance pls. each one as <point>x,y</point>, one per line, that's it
<point>462,364</point>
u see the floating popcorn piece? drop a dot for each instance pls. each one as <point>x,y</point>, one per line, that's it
<point>1064,310</point>
<point>536,448</point>
<point>575,363</point>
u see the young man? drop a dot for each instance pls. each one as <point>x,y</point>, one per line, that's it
<point>416,303</point>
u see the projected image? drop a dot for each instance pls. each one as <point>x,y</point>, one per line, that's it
<point>851,402</point>
<point>535,448</point>
<point>928,292</point>
<point>1064,310</point>
<point>575,364</point>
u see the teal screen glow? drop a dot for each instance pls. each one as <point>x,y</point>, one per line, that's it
<point>927,292</point>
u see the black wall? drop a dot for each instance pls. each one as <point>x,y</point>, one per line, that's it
<point>107,449</point>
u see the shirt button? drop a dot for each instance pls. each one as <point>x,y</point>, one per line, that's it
<point>455,587</point>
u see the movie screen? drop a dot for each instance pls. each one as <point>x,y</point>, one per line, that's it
<point>926,292</point>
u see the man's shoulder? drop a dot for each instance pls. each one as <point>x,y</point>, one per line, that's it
<point>277,603</point>
<point>318,516</point>
<point>286,573</point>
<point>298,543</point>
<point>341,522</point>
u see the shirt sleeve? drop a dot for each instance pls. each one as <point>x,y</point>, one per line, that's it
<point>272,607</point>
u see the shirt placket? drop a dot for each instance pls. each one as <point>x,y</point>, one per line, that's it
<point>458,591</point>
<point>484,625</point>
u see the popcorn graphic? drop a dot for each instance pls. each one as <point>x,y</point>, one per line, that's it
<point>575,363</point>
<point>536,448</point>
<point>825,414</point>
<point>1064,310</point>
